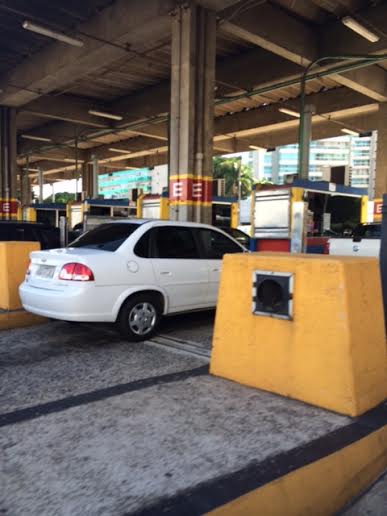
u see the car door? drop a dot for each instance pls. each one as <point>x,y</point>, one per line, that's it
<point>214,245</point>
<point>178,268</point>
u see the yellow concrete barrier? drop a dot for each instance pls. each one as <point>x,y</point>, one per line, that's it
<point>10,319</point>
<point>14,257</point>
<point>320,488</point>
<point>331,354</point>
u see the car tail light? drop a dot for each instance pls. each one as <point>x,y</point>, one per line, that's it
<point>76,272</point>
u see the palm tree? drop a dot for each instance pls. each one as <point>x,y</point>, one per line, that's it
<point>233,171</point>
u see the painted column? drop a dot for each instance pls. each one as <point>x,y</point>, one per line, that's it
<point>8,166</point>
<point>372,167</point>
<point>192,113</point>
<point>306,138</point>
<point>381,153</point>
<point>41,184</point>
<point>94,188</point>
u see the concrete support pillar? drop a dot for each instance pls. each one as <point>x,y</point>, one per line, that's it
<point>372,169</point>
<point>192,113</point>
<point>41,184</point>
<point>306,138</point>
<point>381,153</point>
<point>25,184</point>
<point>94,189</point>
<point>8,166</point>
<point>85,173</point>
<point>275,165</point>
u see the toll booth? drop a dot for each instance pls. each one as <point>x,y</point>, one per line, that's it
<point>371,210</point>
<point>304,215</point>
<point>153,206</point>
<point>109,207</point>
<point>46,213</point>
<point>10,209</point>
<point>99,209</point>
<point>224,209</point>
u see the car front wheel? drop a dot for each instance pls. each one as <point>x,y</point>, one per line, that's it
<point>139,317</point>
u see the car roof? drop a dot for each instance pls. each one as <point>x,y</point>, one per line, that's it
<point>159,222</point>
<point>26,223</point>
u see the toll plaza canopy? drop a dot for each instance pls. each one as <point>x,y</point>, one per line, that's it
<point>131,84</point>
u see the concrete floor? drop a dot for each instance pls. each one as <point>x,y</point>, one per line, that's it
<point>83,432</point>
<point>373,502</point>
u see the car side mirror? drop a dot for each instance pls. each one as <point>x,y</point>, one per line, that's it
<point>357,239</point>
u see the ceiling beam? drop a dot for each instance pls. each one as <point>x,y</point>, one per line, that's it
<point>254,67</point>
<point>67,108</point>
<point>336,39</point>
<point>234,74</point>
<point>370,81</point>
<point>274,30</point>
<point>229,125</point>
<point>325,103</point>
<point>297,42</point>
<point>123,25</point>
<point>321,129</point>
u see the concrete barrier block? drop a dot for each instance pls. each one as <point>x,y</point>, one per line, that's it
<point>14,257</point>
<point>331,353</point>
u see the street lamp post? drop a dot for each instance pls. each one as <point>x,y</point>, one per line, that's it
<point>304,132</point>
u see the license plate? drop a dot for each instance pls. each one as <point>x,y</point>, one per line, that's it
<point>45,271</point>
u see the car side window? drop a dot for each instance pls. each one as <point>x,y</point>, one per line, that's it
<point>368,231</point>
<point>175,243</point>
<point>373,231</point>
<point>215,244</point>
<point>142,248</point>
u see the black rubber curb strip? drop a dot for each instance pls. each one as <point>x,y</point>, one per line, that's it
<point>216,492</point>
<point>52,407</point>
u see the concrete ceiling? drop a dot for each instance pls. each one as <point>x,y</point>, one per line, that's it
<point>124,66</point>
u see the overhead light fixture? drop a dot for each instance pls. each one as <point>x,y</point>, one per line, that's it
<point>72,160</point>
<point>31,169</point>
<point>255,147</point>
<point>349,131</point>
<point>354,25</point>
<point>103,114</point>
<point>289,112</point>
<point>45,31</point>
<point>37,138</point>
<point>120,151</point>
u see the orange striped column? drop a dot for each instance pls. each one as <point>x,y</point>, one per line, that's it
<point>192,112</point>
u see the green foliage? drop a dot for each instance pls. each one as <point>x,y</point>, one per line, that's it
<point>61,198</point>
<point>231,169</point>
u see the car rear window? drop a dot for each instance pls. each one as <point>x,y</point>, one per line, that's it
<point>107,237</point>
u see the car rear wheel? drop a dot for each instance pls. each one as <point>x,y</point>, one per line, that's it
<point>139,317</point>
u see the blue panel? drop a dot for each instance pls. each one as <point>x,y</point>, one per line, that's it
<point>108,202</point>
<point>48,206</point>
<point>323,187</point>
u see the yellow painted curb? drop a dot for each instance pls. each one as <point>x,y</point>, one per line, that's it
<point>320,488</point>
<point>18,319</point>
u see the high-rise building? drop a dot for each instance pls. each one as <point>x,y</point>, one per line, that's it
<point>357,152</point>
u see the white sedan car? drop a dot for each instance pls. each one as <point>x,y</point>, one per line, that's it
<point>130,272</point>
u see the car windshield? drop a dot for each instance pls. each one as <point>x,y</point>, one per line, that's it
<point>106,237</point>
<point>368,231</point>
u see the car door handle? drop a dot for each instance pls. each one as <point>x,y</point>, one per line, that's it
<point>216,270</point>
<point>166,273</point>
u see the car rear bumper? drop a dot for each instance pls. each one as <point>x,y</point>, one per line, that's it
<point>78,304</point>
